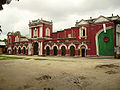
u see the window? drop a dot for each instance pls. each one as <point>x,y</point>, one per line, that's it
<point>35,32</point>
<point>69,35</point>
<point>47,32</point>
<point>16,39</point>
<point>82,33</point>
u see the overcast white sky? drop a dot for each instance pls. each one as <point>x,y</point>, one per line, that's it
<point>63,13</point>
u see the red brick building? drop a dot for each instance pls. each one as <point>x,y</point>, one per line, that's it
<point>94,37</point>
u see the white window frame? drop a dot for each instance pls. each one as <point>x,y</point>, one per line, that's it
<point>35,32</point>
<point>80,33</point>
<point>47,32</point>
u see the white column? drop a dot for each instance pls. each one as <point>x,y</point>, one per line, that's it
<point>104,28</point>
<point>29,48</point>
<point>79,33</point>
<point>41,32</point>
<point>40,48</point>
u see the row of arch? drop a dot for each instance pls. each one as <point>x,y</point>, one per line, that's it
<point>19,50</point>
<point>63,49</point>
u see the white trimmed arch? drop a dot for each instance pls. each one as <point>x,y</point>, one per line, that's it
<point>82,45</point>
<point>62,45</point>
<point>24,46</point>
<point>15,47</point>
<point>96,38</point>
<point>54,46</point>
<point>71,45</point>
<point>20,47</point>
<point>47,46</point>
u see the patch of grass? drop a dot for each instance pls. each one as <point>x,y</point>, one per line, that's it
<point>10,58</point>
<point>27,58</point>
<point>39,59</point>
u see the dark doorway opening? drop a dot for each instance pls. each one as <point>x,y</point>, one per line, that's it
<point>55,51</point>
<point>72,51</point>
<point>35,48</point>
<point>19,50</point>
<point>83,32</point>
<point>24,50</point>
<point>83,52</point>
<point>63,51</point>
<point>47,50</point>
<point>15,51</point>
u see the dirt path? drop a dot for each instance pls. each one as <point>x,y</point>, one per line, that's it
<point>60,73</point>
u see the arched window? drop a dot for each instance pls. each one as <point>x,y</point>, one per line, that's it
<point>83,33</point>
<point>16,39</point>
<point>47,32</point>
<point>35,32</point>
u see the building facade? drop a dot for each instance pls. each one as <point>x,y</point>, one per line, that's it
<point>89,38</point>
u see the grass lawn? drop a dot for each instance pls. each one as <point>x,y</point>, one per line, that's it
<point>13,58</point>
<point>40,59</point>
<point>10,58</point>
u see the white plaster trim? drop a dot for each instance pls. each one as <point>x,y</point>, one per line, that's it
<point>96,38</point>
<point>54,45</point>
<point>71,45</point>
<point>85,32</point>
<point>9,48</point>
<point>101,19</point>
<point>82,45</point>
<point>40,32</point>
<point>20,47</point>
<point>47,46</point>
<point>62,45</point>
<point>29,48</point>
<point>15,47</point>
<point>24,46</point>
<point>36,26</point>
<point>40,48</point>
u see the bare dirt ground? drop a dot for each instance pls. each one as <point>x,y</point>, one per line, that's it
<point>60,73</point>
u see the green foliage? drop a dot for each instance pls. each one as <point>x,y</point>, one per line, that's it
<point>27,58</point>
<point>40,59</point>
<point>10,58</point>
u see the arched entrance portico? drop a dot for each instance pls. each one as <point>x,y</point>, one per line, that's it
<point>19,50</point>
<point>72,50</point>
<point>82,51</point>
<point>35,48</point>
<point>55,51</point>
<point>47,50</point>
<point>63,51</point>
<point>15,51</point>
<point>24,50</point>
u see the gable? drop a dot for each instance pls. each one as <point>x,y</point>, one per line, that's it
<point>82,22</point>
<point>102,19</point>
